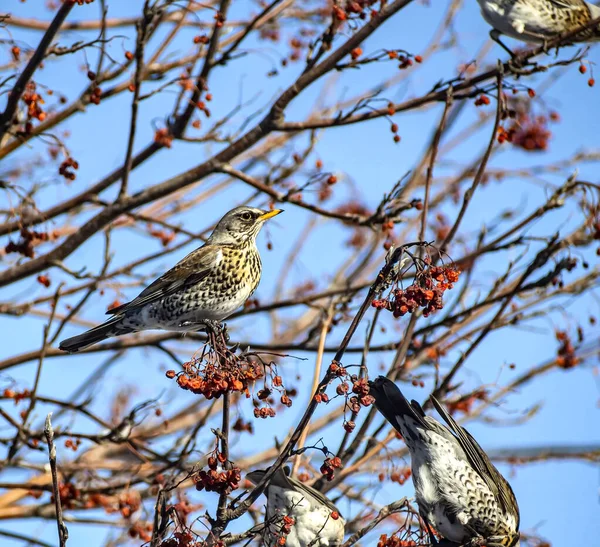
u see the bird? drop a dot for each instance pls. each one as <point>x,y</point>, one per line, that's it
<point>316,520</point>
<point>200,291</point>
<point>538,21</point>
<point>458,490</point>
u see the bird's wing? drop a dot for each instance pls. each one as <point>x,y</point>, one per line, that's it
<point>480,461</point>
<point>188,271</point>
<point>317,496</point>
<point>282,479</point>
<point>570,4</point>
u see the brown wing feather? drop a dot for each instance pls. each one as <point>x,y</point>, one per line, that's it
<point>188,271</point>
<point>480,462</point>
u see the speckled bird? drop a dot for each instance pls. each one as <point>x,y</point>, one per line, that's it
<point>201,290</point>
<point>539,21</point>
<point>317,521</point>
<point>459,491</point>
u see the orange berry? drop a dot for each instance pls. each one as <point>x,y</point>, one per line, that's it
<point>356,53</point>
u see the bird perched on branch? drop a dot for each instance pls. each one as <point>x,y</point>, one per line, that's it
<point>459,491</point>
<point>539,21</point>
<point>201,290</point>
<point>299,513</point>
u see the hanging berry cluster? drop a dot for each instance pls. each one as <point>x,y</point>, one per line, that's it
<point>465,404</point>
<point>354,9</point>
<point>426,292</point>
<point>394,541</point>
<point>283,530</point>
<point>329,466</point>
<point>29,238</point>
<point>216,372</point>
<point>185,539</point>
<point>566,357</point>
<point>265,395</point>
<point>218,478</point>
<point>356,396</point>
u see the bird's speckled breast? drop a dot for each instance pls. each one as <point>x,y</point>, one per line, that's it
<point>216,296</point>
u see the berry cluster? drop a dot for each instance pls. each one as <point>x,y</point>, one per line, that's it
<point>566,357</point>
<point>129,503</point>
<point>69,494</point>
<point>283,531</point>
<point>426,292</point>
<point>73,444</point>
<point>184,539</point>
<point>164,236</point>
<point>465,404</point>
<point>329,466</point>
<point>217,479</point>
<point>401,476</point>
<point>29,238</point>
<point>162,137</point>
<point>211,375</point>
<point>394,541</point>
<point>66,168</point>
<point>33,100</point>
<point>353,9</point>
<point>356,398</point>
<point>16,395</point>
<point>142,530</point>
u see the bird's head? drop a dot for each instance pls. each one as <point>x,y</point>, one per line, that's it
<point>241,225</point>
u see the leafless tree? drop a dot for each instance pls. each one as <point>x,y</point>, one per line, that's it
<point>410,288</point>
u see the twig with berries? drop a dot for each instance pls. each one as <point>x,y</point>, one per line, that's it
<point>384,513</point>
<point>375,289</point>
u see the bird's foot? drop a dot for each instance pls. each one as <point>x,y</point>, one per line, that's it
<point>216,328</point>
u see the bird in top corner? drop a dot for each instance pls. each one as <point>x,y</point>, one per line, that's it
<point>539,21</point>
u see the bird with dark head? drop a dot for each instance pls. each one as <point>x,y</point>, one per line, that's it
<point>316,520</point>
<point>459,491</point>
<point>204,288</point>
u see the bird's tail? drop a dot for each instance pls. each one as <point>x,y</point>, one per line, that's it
<point>112,327</point>
<point>390,401</point>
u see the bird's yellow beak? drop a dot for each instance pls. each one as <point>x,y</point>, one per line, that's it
<point>270,214</point>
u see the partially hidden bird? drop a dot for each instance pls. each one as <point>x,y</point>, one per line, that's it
<point>201,290</point>
<point>316,520</point>
<point>539,21</point>
<point>458,490</point>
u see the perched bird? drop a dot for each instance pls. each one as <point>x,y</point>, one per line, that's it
<point>316,520</point>
<point>201,290</point>
<point>539,21</point>
<point>459,491</point>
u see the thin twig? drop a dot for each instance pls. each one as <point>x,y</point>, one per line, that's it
<point>63,533</point>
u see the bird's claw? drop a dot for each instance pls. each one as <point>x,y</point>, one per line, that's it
<point>217,328</point>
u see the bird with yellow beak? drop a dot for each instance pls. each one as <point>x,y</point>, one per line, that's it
<point>200,291</point>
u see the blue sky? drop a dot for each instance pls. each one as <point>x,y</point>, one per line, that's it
<point>560,499</point>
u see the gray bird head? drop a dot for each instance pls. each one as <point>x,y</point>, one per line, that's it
<point>240,225</point>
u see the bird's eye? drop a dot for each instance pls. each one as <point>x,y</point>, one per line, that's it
<point>246,216</point>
